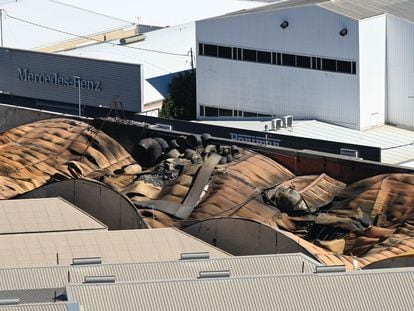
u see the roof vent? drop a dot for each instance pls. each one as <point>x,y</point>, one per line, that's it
<point>99,279</point>
<point>198,255</point>
<point>87,261</point>
<point>214,274</point>
<point>276,124</point>
<point>287,121</point>
<point>167,127</point>
<point>11,301</point>
<point>349,152</point>
<point>330,269</point>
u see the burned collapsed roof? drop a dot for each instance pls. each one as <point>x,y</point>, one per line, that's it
<point>188,180</point>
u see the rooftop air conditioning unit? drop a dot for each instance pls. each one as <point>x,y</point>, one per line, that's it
<point>276,124</point>
<point>287,121</point>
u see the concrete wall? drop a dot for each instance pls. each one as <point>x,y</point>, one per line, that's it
<point>372,71</point>
<point>280,90</point>
<point>400,72</point>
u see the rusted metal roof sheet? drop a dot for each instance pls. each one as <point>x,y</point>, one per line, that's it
<point>370,220</point>
<point>372,291</point>
<point>31,155</point>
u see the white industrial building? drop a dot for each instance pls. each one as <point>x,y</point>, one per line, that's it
<point>347,62</point>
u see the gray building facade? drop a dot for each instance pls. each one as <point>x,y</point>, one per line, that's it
<point>62,79</point>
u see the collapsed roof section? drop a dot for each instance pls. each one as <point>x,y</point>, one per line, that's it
<point>34,154</point>
<point>190,180</point>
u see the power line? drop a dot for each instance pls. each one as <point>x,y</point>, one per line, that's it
<point>89,38</point>
<point>399,146</point>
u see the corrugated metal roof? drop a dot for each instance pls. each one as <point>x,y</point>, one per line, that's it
<point>358,9</point>
<point>355,9</point>
<point>33,154</point>
<point>164,13</point>
<point>379,290</point>
<point>26,35</point>
<point>385,136</point>
<point>35,295</point>
<point>59,276</point>
<point>44,215</point>
<point>46,249</point>
<point>158,67</point>
<point>57,306</point>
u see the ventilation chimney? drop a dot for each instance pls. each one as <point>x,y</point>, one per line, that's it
<point>99,279</point>
<point>330,269</point>
<point>8,302</point>
<point>87,261</point>
<point>197,255</point>
<point>214,274</point>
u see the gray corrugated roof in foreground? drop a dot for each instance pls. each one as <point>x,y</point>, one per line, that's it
<point>356,9</point>
<point>44,215</point>
<point>145,245</point>
<point>376,290</point>
<point>57,306</point>
<point>59,276</point>
<point>37,295</point>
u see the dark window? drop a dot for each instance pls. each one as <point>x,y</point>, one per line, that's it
<point>250,114</point>
<point>201,111</point>
<point>289,60</point>
<point>262,115</point>
<point>264,57</point>
<point>201,49</point>
<point>328,64</point>
<point>211,111</point>
<point>239,53</point>
<point>303,61</point>
<point>354,68</point>
<point>225,112</point>
<point>224,52</point>
<point>249,55</point>
<point>274,58</point>
<point>210,50</point>
<point>238,113</point>
<point>344,66</point>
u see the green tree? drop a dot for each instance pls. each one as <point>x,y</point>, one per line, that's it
<point>181,103</point>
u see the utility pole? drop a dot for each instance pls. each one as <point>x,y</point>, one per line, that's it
<point>1,26</point>
<point>78,79</point>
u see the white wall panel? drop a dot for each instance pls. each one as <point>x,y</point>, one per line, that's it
<point>400,72</point>
<point>265,88</point>
<point>312,30</point>
<point>307,94</point>
<point>372,59</point>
